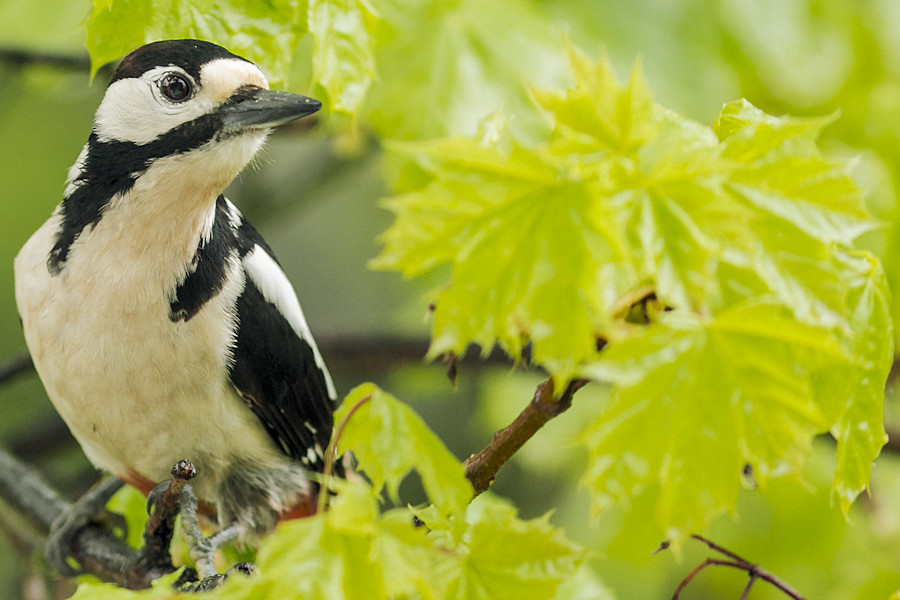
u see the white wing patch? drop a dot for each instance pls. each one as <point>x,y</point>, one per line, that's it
<point>275,288</point>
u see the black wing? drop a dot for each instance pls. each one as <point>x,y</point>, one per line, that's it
<point>277,367</point>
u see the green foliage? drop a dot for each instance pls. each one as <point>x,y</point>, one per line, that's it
<point>448,549</point>
<point>469,61</point>
<point>264,32</point>
<point>766,326</point>
<point>695,401</point>
<point>388,439</point>
<point>743,231</point>
<point>453,63</point>
<point>343,60</point>
<point>131,504</point>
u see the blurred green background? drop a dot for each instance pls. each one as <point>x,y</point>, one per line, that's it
<point>314,196</point>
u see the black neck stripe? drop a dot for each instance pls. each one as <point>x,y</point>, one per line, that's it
<point>111,168</point>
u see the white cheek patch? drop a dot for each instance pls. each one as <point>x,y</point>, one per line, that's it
<point>134,110</point>
<point>222,77</point>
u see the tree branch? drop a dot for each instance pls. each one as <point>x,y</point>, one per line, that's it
<point>736,562</point>
<point>481,468</point>
<point>24,56</point>
<point>97,550</point>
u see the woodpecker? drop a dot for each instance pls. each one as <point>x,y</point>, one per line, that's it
<point>159,321</point>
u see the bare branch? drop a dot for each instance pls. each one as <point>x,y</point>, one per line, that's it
<point>696,571</point>
<point>736,562</point>
<point>97,550</point>
<point>481,468</point>
<point>165,500</point>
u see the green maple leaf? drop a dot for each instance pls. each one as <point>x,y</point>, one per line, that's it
<point>491,553</point>
<point>695,401</point>
<point>265,32</point>
<point>860,430</point>
<point>547,245</point>
<point>778,328</point>
<point>389,440</point>
<point>343,50</point>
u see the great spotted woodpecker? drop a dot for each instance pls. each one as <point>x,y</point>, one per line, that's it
<point>158,319</point>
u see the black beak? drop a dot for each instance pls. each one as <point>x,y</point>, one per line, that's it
<point>257,108</point>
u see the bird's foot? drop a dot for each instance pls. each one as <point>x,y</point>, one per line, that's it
<point>91,507</point>
<point>213,581</point>
<point>202,549</point>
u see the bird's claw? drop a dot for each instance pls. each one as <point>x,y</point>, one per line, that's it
<point>156,494</point>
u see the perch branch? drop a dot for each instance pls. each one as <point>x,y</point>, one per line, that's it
<point>97,550</point>
<point>481,468</point>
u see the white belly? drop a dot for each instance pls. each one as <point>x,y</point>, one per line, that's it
<point>138,391</point>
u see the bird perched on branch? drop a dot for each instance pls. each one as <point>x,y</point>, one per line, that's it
<point>158,319</point>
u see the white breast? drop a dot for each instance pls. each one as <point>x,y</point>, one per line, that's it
<point>138,391</point>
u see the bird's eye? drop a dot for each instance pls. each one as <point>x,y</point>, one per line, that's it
<point>175,87</point>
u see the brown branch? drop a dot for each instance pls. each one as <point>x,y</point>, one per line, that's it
<point>160,527</point>
<point>736,562</point>
<point>331,454</point>
<point>481,468</point>
<point>709,562</point>
<point>746,593</point>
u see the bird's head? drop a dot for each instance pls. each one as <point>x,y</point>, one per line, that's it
<point>176,98</point>
<point>179,120</point>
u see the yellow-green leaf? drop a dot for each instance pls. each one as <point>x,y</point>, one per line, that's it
<point>265,32</point>
<point>389,440</point>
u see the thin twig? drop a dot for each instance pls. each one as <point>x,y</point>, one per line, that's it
<point>331,453</point>
<point>737,562</point>
<point>746,592</point>
<point>714,546</point>
<point>696,570</point>
<point>481,468</point>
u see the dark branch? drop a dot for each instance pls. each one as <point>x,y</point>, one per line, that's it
<point>696,571</point>
<point>23,56</point>
<point>18,365</point>
<point>481,468</point>
<point>164,504</point>
<point>736,562</point>
<point>97,550</point>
